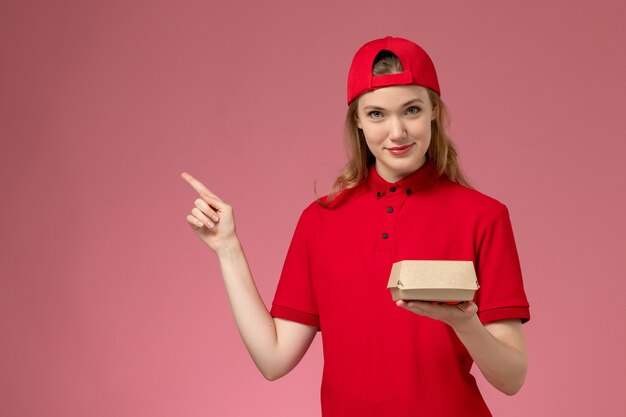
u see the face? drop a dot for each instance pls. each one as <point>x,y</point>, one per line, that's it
<point>396,124</point>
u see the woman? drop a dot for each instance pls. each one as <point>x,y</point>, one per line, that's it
<point>401,196</point>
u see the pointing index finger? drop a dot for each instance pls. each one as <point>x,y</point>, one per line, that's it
<point>196,185</point>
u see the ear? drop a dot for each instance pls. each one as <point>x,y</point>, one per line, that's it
<point>435,112</point>
<point>358,121</point>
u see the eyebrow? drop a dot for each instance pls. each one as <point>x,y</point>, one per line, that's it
<point>415,100</point>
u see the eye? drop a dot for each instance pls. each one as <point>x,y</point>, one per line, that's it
<point>374,114</point>
<point>413,110</point>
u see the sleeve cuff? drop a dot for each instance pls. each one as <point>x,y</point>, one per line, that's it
<point>295,315</point>
<point>503,313</point>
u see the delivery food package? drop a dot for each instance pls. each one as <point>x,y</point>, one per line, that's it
<point>430,280</point>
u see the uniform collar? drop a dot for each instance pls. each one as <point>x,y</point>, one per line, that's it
<point>424,177</point>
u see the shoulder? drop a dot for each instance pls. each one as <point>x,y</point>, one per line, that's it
<point>471,201</point>
<point>344,204</point>
<point>343,200</point>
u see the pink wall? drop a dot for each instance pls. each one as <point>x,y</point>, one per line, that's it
<point>110,306</point>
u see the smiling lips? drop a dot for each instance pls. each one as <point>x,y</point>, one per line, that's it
<point>400,150</point>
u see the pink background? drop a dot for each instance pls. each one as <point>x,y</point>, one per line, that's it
<point>110,306</point>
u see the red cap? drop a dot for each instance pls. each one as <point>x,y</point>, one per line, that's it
<point>417,65</point>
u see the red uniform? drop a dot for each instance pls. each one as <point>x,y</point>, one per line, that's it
<point>381,359</point>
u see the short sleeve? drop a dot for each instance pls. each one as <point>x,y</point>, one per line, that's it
<point>501,294</point>
<point>294,298</point>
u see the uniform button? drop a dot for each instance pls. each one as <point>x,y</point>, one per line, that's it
<point>389,209</point>
<point>385,235</point>
<point>408,191</point>
<point>392,189</point>
<point>378,194</point>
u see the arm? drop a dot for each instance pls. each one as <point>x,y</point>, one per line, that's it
<point>498,348</point>
<point>275,345</point>
<point>499,351</point>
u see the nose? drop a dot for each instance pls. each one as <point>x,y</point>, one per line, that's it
<point>397,129</point>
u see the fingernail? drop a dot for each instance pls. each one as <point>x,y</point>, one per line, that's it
<point>215,218</point>
<point>209,224</point>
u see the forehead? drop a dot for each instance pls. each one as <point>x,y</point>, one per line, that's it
<point>393,96</point>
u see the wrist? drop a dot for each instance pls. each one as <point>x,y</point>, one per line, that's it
<point>466,325</point>
<point>228,247</point>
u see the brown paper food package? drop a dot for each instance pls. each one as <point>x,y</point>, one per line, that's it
<point>429,280</point>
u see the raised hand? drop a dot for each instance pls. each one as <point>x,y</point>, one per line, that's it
<point>211,219</point>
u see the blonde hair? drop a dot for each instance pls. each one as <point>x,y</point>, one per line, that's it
<point>441,151</point>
